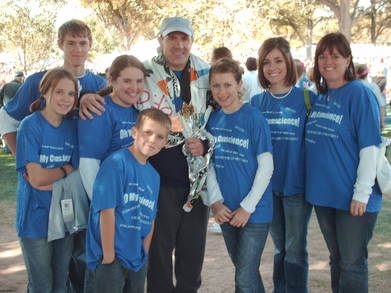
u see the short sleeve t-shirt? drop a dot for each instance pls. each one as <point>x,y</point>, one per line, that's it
<point>132,190</point>
<point>286,118</point>
<point>40,142</point>
<point>107,133</point>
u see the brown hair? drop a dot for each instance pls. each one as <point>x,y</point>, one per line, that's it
<point>284,47</point>
<point>49,81</point>
<point>251,64</point>
<point>220,52</point>
<point>74,27</point>
<point>330,42</point>
<point>226,65</point>
<point>155,115</point>
<point>119,64</point>
<point>299,67</point>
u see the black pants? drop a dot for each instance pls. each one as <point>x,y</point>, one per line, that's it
<point>182,231</point>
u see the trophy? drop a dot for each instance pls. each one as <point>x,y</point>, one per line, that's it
<point>193,126</point>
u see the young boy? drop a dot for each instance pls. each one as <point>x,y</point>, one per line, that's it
<point>123,208</point>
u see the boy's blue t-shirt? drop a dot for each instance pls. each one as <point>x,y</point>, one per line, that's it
<point>107,133</point>
<point>286,118</point>
<point>239,138</point>
<point>40,142</point>
<point>132,190</point>
<point>342,122</point>
<point>18,106</point>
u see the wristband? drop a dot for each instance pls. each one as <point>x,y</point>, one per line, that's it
<point>64,171</point>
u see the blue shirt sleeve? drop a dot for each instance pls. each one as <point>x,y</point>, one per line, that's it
<point>109,183</point>
<point>365,117</point>
<point>27,144</point>
<point>18,106</point>
<point>95,136</point>
<point>261,137</point>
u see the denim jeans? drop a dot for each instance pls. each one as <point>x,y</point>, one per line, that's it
<point>245,246</point>
<point>114,278</point>
<point>288,229</point>
<point>347,239</point>
<point>47,263</point>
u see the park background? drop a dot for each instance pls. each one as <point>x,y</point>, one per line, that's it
<point>28,43</point>
<point>28,40</point>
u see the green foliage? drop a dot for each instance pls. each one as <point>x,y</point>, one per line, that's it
<point>29,30</point>
<point>126,20</point>
<point>103,41</point>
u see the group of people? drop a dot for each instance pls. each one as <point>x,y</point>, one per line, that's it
<point>275,158</point>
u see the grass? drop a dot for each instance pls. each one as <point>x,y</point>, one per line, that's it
<point>8,177</point>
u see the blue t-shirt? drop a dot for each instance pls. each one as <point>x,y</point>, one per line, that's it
<point>132,189</point>
<point>18,107</point>
<point>104,134</point>
<point>239,138</point>
<point>178,101</point>
<point>40,142</point>
<point>342,122</point>
<point>286,118</point>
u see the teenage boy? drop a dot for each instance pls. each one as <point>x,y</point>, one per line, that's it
<point>123,208</point>
<point>74,39</point>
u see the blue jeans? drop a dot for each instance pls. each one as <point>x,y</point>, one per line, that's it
<point>347,239</point>
<point>47,263</point>
<point>288,229</point>
<point>245,246</point>
<point>114,278</point>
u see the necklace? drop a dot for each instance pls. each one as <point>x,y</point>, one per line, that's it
<point>281,97</point>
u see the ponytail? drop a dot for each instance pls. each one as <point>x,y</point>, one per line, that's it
<point>106,91</point>
<point>36,105</point>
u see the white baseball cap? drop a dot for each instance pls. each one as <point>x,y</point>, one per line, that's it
<point>175,24</point>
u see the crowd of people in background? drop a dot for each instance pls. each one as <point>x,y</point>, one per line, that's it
<point>289,137</point>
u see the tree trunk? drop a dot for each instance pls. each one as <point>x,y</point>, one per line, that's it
<point>345,20</point>
<point>373,22</point>
<point>310,30</point>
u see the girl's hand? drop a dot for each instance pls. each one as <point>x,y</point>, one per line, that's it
<point>240,218</point>
<point>69,168</point>
<point>221,213</point>
<point>357,208</point>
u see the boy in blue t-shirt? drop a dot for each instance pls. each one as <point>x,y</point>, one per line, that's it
<point>123,208</point>
<point>75,40</point>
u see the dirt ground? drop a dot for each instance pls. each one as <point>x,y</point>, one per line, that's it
<point>218,272</point>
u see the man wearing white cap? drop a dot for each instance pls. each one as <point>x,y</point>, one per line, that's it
<point>178,77</point>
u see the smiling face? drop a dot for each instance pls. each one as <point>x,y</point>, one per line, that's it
<point>225,90</point>
<point>61,98</point>
<point>149,138</point>
<point>275,69</point>
<point>332,67</point>
<point>176,48</point>
<point>128,86</point>
<point>75,50</point>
